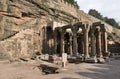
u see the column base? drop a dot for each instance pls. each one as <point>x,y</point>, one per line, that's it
<point>106,54</point>
<point>91,60</point>
<point>101,60</point>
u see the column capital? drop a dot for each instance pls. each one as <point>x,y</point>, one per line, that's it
<point>62,30</point>
<point>103,28</point>
<point>86,27</point>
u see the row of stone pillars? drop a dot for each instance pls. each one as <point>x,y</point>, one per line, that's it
<point>73,40</point>
<point>97,43</point>
<point>100,33</point>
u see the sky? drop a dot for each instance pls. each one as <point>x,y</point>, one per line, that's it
<point>109,8</point>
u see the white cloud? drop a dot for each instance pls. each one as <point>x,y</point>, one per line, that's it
<point>108,8</point>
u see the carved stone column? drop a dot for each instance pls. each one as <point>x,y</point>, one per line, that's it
<point>44,49</point>
<point>75,45</point>
<point>105,41</point>
<point>98,46</point>
<point>105,47</point>
<point>81,44</point>
<point>93,58</point>
<point>98,43</point>
<point>70,41</point>
<point>62,42</point>
<point>86,43</point>
<point>55,41</point>
<point>93,42</point>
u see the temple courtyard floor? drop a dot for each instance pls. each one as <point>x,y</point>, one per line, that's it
<point>15,70</point>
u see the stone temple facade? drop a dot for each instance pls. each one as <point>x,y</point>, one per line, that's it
<point>50,27</point>
<point>81,38</point>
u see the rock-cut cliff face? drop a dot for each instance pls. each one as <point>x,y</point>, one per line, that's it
<point>21,28</point>
<point>23,23</point>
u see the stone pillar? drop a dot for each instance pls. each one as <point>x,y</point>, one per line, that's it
<point>98,43</point>
<point>106,54</point>
<point>62,42</point>
<point>55,41</point>
<point>86,43</point>
<point>105,47</point>
<point>70,42</point>
<point>80,44</point>
<point>93,58</point>
<point>98,46</point>
<point>44,46</point>
<point>93,42</point>
<point>75,46</point>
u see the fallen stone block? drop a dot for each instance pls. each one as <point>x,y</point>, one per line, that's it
<point>91,60</point>
<point>48,69</point>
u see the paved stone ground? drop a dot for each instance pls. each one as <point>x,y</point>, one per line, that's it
<point>110,70</point>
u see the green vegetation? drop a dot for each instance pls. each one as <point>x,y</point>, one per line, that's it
<point>98,15</point>
<point>73,2</point>
<point>95,13</point>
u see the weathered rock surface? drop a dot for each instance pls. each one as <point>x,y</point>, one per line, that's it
<point>22,24</point>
